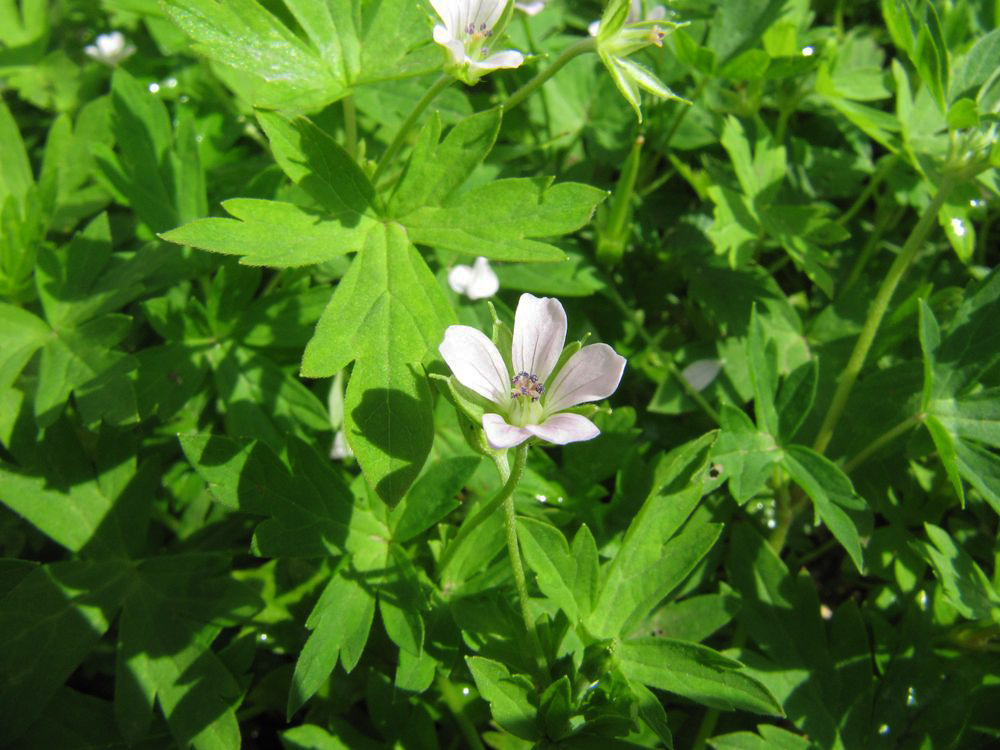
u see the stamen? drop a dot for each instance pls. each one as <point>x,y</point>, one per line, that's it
<point>527,385</point>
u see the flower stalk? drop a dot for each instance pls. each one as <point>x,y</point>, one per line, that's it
<point>877,312</point>
<point>397,143</point>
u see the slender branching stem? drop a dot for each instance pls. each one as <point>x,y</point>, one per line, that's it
<point>877,312</point>
<point>453,700</point>
<point>574,50</point>
<point>397,143</point>
<point>514,551</point>
<point>883,440</point>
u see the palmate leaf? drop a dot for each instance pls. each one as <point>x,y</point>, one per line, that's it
<point>961,392</point>
<point>345,44</point>
<point>49,623</point>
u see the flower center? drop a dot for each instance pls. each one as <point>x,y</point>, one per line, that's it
<point>481,33</point>
<point>526,385</point>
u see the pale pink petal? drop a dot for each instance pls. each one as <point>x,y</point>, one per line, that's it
<point>444,10</point>
<point>539,335</point>
<point>501,435</point>
<point>490,12</point>
<point>591,374</point>
<point>594,28</point>
<point>476,363</point>
<point>658,13</point>
<point>564,428</point>
<point>442,35</point>
<point>699,375</point>
<point>509,58</point>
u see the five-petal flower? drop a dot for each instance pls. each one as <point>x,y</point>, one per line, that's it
<point>533,399</point>
<point>468,26</point>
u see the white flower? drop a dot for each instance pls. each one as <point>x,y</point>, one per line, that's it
<point>656,13</point>
<point>477,281</point>
<point>468,27</point>
<point>110,48</point>
<point>531,9</point>
<point>534,401</point>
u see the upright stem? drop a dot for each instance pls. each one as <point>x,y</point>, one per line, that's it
<point>883,440</point>
<point>574,50</point>
<point>397,143</point>
<point>878,310</point>
<point>510,525</point>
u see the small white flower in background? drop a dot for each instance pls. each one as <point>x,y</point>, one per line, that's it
<point>477,281</point>
<point>531,9</point>
<point>468,27</point>
<point>340,449</point>
<point>110,48</point>
<point>656,13</point>
<point>534,401</point>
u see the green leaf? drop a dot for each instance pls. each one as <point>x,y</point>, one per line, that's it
<point>389,423</point>
<point>346,44</point>
<point>795,399</point>
<point>156,171</point>
<point>770,738</point>
<point>781,614</point>
<point>931,56</point>
<point>965,584</point>
<point>388,306</point>
<point>739,24</point>
<point>761,356</point>
<point>16,177</point>
<point>23,334</point>
<point>508,696</point>
<point>271,233</point>
<point>340,624</point>
<point>432,496</point>
<point>318,164</point>
<point>262,400</point>
<point>437,169</point>
<point>547,553</point>
<point>845,513</point>
<point>196,692</point>
<point>632,582</point>
<point>307,504</point>
<point>696,672</point>
<point>499,219</point>
<point>744,455</point>
<point>978,65</point>
<point>49,623</point>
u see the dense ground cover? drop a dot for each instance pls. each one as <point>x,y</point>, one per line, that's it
<point>262,483</point>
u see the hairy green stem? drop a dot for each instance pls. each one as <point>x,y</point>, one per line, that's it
<point>397,143</point>
<point>574,50</point>
<point>453,700</point>
<point>882,440</point>
<point>514,551</point>
<point>510,478</point>
<point>881,172</point>
<point>877,312</point>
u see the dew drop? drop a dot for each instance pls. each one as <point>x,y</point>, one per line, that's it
<point>541,498</point>
<point>466,691</point>
<point>170,83</point>
<point>154,88</point>
<point>263,637</point>
<point>922,600</point>
<point>911,696</point>
<point>883,730</point>
<point>808,51</point>
<point>958,227</point>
